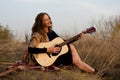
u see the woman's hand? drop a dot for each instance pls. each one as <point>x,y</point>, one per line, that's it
<point>53,49</point>
<point>82,35</point>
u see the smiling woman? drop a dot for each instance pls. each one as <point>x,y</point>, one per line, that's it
<point>42,34</point>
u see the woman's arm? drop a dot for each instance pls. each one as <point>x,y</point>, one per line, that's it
<point>43,50</point>
<point>35,40</point>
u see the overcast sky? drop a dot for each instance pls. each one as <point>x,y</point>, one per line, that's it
<point>68,16</point>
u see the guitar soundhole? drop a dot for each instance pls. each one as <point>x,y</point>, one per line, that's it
<point>55,54</point>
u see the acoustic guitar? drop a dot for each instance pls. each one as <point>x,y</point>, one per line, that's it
<point>47,59</point>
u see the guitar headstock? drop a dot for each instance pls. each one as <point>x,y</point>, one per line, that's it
<point>90,30</point>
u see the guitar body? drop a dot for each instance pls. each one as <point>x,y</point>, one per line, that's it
<point>47,59</point>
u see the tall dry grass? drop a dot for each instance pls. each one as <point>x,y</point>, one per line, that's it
<point>12,51</point>
<point>103,54</point>
<point>102,50</point>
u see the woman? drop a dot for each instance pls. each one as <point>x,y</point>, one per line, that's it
<point>42,32</point>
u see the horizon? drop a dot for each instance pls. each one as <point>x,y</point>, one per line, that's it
<point>68,16</point>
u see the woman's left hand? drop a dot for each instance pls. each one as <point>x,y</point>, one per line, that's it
<point>82,35</point>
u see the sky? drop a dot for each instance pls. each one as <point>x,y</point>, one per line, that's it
<point>68,16</point>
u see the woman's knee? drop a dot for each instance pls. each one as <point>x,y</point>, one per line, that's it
<point>77,61</point>
<point>73,49</point>
<point>71,46</point>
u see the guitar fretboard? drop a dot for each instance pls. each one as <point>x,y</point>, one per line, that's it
<point>69,40</point>
<point>89,30</point>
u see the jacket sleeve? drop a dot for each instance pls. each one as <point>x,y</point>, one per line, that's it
<point>36,50</point>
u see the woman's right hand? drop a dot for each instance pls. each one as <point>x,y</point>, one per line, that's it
<point>53,49</point>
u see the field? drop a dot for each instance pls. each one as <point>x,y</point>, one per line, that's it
<point>99,53</point>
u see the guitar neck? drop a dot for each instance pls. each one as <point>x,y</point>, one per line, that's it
<point>74,38</point>
<point>68,41</point>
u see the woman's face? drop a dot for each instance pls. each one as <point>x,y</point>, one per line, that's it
<point>46,21</point>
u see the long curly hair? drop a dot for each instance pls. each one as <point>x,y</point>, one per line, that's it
<point>38,26</point>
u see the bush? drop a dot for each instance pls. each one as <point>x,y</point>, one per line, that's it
<point>5,33</point>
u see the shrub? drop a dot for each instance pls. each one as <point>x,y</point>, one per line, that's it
<point>5,33</point>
